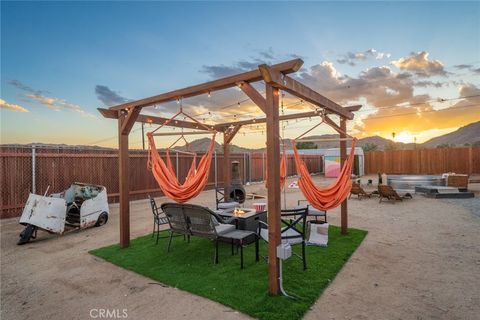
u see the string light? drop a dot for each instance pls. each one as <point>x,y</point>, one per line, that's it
<point>209,94</point>
<point>238,103</point>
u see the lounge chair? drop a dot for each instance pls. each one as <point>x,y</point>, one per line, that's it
<point>159,218</point>
<point>389,193</point>
<point>193,220</point>
<point>293,229</point>
<point>358,191</point>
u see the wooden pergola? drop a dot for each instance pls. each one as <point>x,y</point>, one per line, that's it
<point>276,78</point>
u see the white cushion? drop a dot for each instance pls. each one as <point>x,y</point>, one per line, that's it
<point>290,232</point>
<point>224,228</point>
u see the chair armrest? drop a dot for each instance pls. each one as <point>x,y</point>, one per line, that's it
<point>229,220</point>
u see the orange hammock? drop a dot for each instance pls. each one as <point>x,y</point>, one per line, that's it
<point>331,196</point>
<point>195,181</point>
<point>283,171</point>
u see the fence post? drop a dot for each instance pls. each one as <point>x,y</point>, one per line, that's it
<point>263,166</point>
<point>250,167</point>
<point>216,178</point>
<point>244,168</point>
<point>33,169</point>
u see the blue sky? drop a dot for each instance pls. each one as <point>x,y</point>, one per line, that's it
<point>54,54</point>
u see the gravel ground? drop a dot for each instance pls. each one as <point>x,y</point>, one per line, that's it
<point>472,204</point>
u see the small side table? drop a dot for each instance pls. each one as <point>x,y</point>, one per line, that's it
<point>242,238</point>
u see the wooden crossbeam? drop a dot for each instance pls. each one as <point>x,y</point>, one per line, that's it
<point>332,124</point>
<point>230,134</point>
<point>113,114</point>
<point>215,85</point>
<point>292,86</point>
<point>130,120</point>
<point>222,126</point>
<point>163,134</point>
<point>254,95</point>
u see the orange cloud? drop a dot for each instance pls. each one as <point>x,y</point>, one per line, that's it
<point>420,118</point>
<point>11,106</point>
<point>419,63</point>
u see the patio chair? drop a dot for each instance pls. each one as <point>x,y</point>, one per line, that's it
<point>314,212</point>
<point>176,220</point>
<point>159,218</point>
<point>294,229</point>
<point>197,221</point>
<point>386,191</point>
<point>358,191</point>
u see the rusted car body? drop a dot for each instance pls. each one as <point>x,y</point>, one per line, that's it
<point>78,207</point>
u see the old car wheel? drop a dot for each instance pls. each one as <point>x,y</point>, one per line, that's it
<point>102,219</point>
<point>28,233</point>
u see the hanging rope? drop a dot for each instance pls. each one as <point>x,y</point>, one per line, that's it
<point>164,173</point>
<point>333,195</point>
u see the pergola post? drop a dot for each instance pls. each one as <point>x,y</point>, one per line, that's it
<point>343,158</point>
<point>273,183</point>
<point>123,174</point>
<point>275,78</point>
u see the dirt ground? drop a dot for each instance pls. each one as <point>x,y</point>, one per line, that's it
<point>420,260</point>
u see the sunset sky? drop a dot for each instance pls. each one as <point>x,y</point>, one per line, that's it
<point>415,67</point>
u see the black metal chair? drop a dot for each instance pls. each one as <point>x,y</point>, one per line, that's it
<point>313,212</point>
<point>159,218</point>
<point>294,229</point>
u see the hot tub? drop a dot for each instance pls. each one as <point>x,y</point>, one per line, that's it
<point>407,183</point>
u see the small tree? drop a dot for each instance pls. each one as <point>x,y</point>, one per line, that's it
<point>391,146</point>
<point>369,146</point>
<point>445,145</point>
<point>306,145</point>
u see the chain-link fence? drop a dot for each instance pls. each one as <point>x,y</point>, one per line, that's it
<point>37,169</point>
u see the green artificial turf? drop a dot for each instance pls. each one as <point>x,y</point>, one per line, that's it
<point>189,266</point>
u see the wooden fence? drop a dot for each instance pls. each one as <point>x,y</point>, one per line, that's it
<point>23,170</point>
<point>424,161</point>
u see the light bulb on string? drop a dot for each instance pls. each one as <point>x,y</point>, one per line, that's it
<point>209,94</point>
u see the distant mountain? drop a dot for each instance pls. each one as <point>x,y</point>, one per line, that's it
<point>467,134</point>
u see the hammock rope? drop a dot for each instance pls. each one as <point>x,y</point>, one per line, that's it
<point>333,195</point>
<point>164,173</point>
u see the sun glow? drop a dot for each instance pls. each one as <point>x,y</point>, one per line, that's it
<point>405,137</point>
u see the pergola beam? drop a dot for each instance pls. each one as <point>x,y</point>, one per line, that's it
<point>113,114</point>
<point>130,120</point>
<point>164,134</point>
<point>300,90</point>
<point>254,95</point>
<point>222,126</point>
<point>215,85</point>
